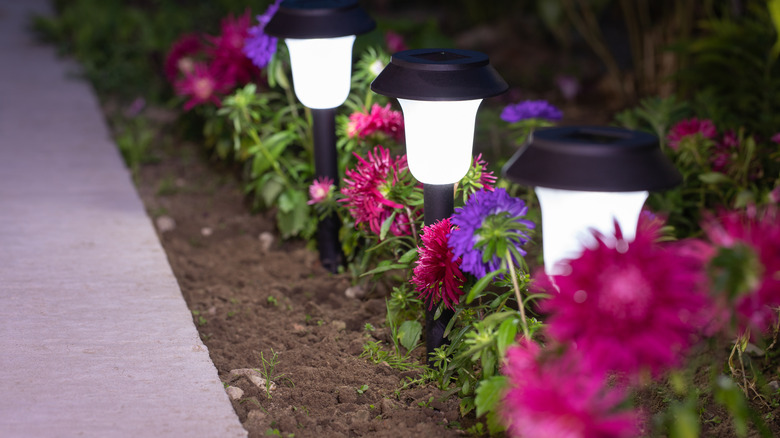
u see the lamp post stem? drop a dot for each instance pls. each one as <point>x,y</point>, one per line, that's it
<point>438,204</point>
<point>326,165</point>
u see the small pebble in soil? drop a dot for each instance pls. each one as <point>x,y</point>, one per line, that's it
<point>165,224</point>
<point>253,375</point>
<point>206,231</point>
<point>235,393</point>
<point>774,384</point>
<point>339,325</point>
<point>356,292</point>
<point>266,240</point>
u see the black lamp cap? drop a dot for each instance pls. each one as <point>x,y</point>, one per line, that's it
<point>439,75</point>
<point>309,19</point>
<point>592,158</point>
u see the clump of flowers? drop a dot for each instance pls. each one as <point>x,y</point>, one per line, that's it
<point>379,119</point>
<point>320,190</point>
<point>437,275</point>
<point>747,264</point>
<point>530,109</point>
<point>691,128</point>
<point>629,308</point>
<point>490,228</point>
<point>259,47</point>
<point>204,69</point>
<point>558,398</point>
<point>368,191</point>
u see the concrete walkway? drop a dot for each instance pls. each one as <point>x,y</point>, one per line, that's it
<point>95,338</point>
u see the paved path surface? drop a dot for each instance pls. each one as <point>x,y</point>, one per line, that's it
<point>95,338</point>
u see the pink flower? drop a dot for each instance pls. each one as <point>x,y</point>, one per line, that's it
<point>437,275</point>
<point>690,127</point>
<point>724,150</point>
<point>320,189</point>
<point>180,59</point>
<point>760,232</point>
<point>229,60</point>
<point>395,42</point>
<point>559,399</point>
<point>776,138</point>
<point>381,119</point>
<point>630,308</point>
<point>201,85</point>
<point>367,188</point>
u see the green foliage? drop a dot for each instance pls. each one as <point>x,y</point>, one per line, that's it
<point>734,74</point>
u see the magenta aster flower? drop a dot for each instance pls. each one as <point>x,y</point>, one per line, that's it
<point>489,217</point>
<point>559,399</point>
<point>630,308</point>
<point>229,60</point>
<point>690,127</point>
<point>259,47</point>
<point>760,233</point>
<point>437,275</point>
<point>320,189</point>
<point>367,188</point>
<point>381,119</point>
<point>530,109</point>
<point>181,57</point>
<point>201,85</point>
<point>485,178</point>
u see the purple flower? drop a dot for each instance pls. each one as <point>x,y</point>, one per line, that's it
<point>530,109</point>
<point>259,46</point>
<point>489,220</point>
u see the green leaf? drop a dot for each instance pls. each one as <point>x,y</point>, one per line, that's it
<point>408,257</point>
<point>489,362</point>
<point>489,393</point>
<point>409,334</point>
<point>774,14</point>
<point>714,178</point>
<point>507,332</point>
<point>730,395</point>
<point>386,226</point>
<point>481,284</point>
<point>271,190</point>
<point>685,421</point>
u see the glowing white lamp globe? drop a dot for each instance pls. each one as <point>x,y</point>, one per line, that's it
<point>321,70</point>
<point>588,179</point>
<point>439,138</point>
<point>319,35</point>
<point>439,91</point>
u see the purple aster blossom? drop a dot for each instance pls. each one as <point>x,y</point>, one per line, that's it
<point>489,219</point>
<point>259,46</point>
<point>530,109</point>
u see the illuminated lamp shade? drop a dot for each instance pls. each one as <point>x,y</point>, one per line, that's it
<point>587,179</point>
<point>439,91</point>
<point>319,35</point>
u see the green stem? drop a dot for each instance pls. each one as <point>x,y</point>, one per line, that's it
<point>520,304</point>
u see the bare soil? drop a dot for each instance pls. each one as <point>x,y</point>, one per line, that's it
<point>250,302</point>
